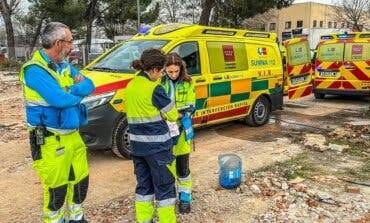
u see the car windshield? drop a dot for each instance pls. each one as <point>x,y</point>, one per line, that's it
<point>119,60</point>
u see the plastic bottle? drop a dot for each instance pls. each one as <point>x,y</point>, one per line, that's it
<point>230,172</point>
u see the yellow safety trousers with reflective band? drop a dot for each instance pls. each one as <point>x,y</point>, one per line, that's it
<point>145,210</point>
<point>62,155</point>
<point>31,96</point>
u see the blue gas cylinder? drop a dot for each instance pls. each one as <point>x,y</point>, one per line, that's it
<point>230,172</point>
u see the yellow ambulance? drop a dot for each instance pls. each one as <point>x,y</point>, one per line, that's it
<point>237,74</point>
<point>342,65</point>
<point>298,70</point>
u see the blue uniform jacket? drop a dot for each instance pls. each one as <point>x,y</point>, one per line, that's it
<point>65,111</point>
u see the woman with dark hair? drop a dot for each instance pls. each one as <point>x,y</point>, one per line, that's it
<point>179,88</point>
<point>147,109</point>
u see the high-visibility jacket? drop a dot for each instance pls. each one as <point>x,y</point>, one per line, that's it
<point>146,103</point>
<point>183,93</point>
<point>46,100</point>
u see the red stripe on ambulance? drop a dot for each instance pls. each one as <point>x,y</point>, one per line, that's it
<point>226,114</point>
<point>221,115</point>
<point>111,86</point>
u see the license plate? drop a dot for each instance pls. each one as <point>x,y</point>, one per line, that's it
<point>328,73</point>
<point>299,80</point>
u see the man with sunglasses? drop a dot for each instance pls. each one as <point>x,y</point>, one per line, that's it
<point>53,91</point>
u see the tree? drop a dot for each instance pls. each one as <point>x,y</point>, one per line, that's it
<point>259,21</point>
<point>117,13</point>
<point>352,12</point>
<point>231,13</point>
<point>69,12</point>
<point>184,11</point>
<point>207,6</point>
<point>8,8</point>
<point>90,15</point>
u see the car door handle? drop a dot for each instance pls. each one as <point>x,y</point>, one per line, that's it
<point>200,80</point>
<point>350,68</point>
<point>367,68</point>
<point>217,78</point>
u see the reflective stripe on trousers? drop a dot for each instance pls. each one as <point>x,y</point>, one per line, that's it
<point>54,216</point>
<point>75,212</point>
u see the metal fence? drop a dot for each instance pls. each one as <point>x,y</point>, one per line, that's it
<point>80,56</point>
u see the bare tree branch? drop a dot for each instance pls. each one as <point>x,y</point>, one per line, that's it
<point>351,12</point>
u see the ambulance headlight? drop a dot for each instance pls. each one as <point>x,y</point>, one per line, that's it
<point>97,100</point>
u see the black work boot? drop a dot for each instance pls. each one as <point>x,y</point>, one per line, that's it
<point>184,207</point>
<point>79,221</point>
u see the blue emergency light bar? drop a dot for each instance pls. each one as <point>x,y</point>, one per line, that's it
<point>326,37</point>
<point>144,30</point>
<point>345,36</point>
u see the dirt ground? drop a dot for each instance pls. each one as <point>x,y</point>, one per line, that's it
<point>276,158</point>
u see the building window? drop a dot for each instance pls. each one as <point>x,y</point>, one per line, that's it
<point>321,24</point>
<point>329,25</point>
<point>272,26</point>
<point>335,25</point>
<point>299,24</point>
<point>288,25</point>
<point>314,23</point>
<point>342,25</point>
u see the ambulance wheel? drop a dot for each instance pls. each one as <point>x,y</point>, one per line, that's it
<point>260,112</point>
<point>319,96</point>
<point>121,141</point>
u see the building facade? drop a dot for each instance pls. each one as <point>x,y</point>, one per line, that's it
<point>297,17</point>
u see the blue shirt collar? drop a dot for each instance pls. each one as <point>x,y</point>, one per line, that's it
<point>59,66</point>
<point>44,56</point>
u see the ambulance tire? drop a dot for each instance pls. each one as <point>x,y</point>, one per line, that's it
<point>260,112</point>
<point>121,140</point>
<point>319,95</point>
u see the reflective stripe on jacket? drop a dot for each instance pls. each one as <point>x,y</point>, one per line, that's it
<point>146,103</point>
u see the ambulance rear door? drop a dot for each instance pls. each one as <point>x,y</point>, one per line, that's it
<point>356,64</point>
<point>328,66</point>
<point>298,65</point>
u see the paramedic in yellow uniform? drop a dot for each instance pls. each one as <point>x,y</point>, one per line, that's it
<point>179,88</point>
<point>53,91</point>
<point>148,108</point>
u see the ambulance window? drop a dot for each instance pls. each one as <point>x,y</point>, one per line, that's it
<point>298,53</point>
<point>357,52</point>
<point>189,52</point>
<point>331,52</point>
<point>227,56</point>
<point>119,59</point>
